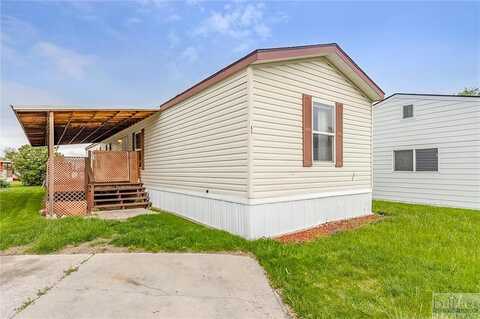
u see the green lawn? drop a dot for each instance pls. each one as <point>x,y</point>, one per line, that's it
<point>384,270</point>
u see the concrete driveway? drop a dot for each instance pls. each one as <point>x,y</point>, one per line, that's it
<point>136,286</point>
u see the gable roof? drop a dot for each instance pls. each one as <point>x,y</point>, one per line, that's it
<point>331,50</point>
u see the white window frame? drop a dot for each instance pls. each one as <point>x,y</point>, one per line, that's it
<point>331,105</point>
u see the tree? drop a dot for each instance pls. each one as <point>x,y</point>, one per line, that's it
<point>470,92</point>
<point>9,154</point>
<point>30,163</point>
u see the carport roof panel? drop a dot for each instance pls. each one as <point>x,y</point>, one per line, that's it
<point>77,125</point>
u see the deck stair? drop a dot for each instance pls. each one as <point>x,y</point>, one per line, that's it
<point>110,196</point>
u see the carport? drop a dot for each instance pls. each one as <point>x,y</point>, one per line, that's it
<point>71,181</point>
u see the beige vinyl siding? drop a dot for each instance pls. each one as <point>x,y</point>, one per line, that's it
<point>451,124</point>
<point>277,168</point>
<point>199,144</point>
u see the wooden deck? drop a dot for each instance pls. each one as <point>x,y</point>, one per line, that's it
<point>103,180</point>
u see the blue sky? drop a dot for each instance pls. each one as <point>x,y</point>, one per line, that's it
<point>124,53</point>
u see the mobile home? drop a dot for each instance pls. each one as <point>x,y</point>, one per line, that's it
<point>278,141</point>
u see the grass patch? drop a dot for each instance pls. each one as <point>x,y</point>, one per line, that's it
<point>387,269</point>
<point>167,232</point>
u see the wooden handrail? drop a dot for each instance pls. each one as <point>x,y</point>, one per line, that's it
<point>88,184</point>
<point>88,171</point>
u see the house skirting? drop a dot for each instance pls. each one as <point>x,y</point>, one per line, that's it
<point>253,219</point>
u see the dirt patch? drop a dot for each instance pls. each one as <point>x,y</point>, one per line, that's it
<point>96,247</point>
<point>16,250</point>
<point>328,229</point>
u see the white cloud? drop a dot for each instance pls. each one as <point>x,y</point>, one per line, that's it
<point>14,33</point>
<point>173,39</point>
<point>278,17</point>
<point>67,62</point>
<point>16,30</point>
<point>133,20</point>
<point>155,3</point>
<point>190,54</point>
<point>242,47</point>
<point>237,21</point>
<point>198,4</point>
<point>173,17</point>
<point>193,2</point>
<point>263,31</point>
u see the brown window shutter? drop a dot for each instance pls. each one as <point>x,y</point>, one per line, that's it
<point>339,135</point>
<point>142,152</point>
<point>307,129</point>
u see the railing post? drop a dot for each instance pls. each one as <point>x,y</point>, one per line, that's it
<point>87,183</point>
<point>51,163</point>
<point>91,166</point>
<point>129,166</point>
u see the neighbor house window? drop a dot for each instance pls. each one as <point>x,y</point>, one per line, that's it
<point>426,160</point>
<point>323,132</point>
<point>407,111</point>
<point>416,160</point>
<point>403,160</point>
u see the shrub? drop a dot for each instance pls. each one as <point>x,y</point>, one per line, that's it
<point>30,163</point>
<point>4,183</point>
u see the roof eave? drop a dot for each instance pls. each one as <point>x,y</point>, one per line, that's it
<point>67,108</point>
<point>399,95</point>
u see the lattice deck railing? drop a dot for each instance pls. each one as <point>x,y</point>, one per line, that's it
<point>69,186</point>
<point>73,176</point>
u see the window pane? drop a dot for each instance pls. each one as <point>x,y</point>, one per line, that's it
<point>404,160</point>
<point>427,159</point>
<point>322,147</point>
<point>407,111</point>
<point>138,141</point>
<point>322,118</point>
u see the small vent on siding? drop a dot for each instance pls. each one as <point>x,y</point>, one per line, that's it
<point>407,111</point>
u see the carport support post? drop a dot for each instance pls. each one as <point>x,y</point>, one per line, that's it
<point>51,162</point>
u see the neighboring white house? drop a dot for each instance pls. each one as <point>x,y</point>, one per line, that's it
<point>276,142</point>
<point>427,150</point>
